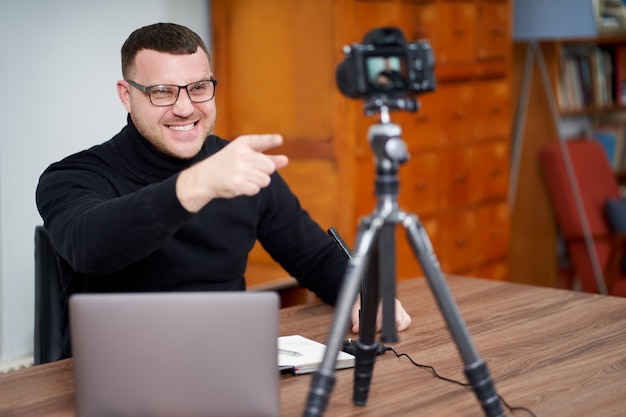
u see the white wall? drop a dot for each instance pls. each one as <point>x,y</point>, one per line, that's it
<point>59,61</point>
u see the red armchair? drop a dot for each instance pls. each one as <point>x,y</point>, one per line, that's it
<point>595,250</point>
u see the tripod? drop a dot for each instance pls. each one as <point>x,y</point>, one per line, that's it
<point>372,267</point>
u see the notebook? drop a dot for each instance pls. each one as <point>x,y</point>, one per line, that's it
<point>176,354</point>
<point>300,355</point>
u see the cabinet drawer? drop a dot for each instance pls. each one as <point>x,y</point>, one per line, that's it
<point>419,184</point>
<point>492,28</point>
<point>457,31</point>
<point>457,241</point>
<point>493,232</point>
<point>422,130</point>
<point>420,19</point>
<point>457,178</point>
<point>458,113</point>
<point>493,105</point>
<point>492,170</point>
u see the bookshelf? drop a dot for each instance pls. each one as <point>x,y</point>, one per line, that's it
<point>591,74</point>
<point>551,56</point>
<point>590,81</point>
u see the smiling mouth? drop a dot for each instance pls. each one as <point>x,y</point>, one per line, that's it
<point>183,128</point>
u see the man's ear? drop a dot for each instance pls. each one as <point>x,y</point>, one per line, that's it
<point>123,91</point>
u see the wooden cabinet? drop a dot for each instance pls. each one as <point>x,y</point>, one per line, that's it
<point>276,61</point>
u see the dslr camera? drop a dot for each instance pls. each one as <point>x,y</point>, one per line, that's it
<point>385,65</point>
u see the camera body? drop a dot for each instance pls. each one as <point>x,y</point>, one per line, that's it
<point>386,65</point>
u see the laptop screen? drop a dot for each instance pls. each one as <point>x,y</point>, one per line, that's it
<point>164,354</point>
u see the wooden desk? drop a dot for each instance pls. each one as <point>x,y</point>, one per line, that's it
<point>557,352</point>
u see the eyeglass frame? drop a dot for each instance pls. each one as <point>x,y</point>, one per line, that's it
<point>146,89</point>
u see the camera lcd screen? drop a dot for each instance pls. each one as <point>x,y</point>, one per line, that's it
<point>386,73</point>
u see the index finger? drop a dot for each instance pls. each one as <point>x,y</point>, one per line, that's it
<point>262,143</point>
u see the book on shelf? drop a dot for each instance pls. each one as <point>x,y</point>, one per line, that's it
<point>300,355</point>
<point>616,61</point>
<point>571,87</point>
<point>591,75</point>
<point>611,16</point>
<point>612,135</point>
<point>608,138</point>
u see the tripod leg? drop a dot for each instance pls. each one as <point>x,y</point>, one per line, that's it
<point>324,378</point>
<point>387,278</point>
<point>366,345</point>
<point>475,368</point>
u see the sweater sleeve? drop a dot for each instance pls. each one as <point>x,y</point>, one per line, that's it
<point>299,244</point>
<point>78,205</point>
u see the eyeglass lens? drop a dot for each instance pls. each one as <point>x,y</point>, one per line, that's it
<point>165,95</point>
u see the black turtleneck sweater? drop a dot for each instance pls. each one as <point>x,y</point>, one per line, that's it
<point>114,219</point>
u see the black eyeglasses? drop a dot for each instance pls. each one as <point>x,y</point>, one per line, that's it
<point>167,94</point>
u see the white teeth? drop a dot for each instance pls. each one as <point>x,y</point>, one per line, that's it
<point>182,128</point>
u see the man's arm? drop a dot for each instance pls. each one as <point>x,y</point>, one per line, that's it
<point>97,230</point>
<point>99,226</point>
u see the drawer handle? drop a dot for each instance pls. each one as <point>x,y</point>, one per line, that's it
<point>421,186</point>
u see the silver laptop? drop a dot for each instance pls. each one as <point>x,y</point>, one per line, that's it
<point>176,354</point>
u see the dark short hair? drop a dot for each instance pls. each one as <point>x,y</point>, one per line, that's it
<point>162,37</point>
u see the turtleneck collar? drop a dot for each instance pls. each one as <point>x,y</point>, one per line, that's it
<point>145,160</point>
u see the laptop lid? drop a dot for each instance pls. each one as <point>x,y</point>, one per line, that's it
<point>176,354</point>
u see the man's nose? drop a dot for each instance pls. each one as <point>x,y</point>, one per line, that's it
<point>184,105</point>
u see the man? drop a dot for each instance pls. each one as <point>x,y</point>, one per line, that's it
<point>167,206</point>
<point>390,78</point>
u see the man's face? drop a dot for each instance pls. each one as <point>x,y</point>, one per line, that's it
<point>178,130</point>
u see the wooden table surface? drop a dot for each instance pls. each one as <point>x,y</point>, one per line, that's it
<point>556,352</point>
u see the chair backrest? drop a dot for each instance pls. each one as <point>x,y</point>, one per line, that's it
<point>50,304</point>
<point>596,183</point>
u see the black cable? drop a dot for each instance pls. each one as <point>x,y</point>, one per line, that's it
<point>454,381</point>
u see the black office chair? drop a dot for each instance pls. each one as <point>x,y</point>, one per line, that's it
<point>50,302</point>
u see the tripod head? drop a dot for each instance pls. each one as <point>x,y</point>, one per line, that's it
<point>385,138</point>
<point>384,104</point>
